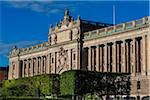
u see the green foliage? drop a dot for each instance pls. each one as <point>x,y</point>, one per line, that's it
<point>77,82</point>
<point>89,84</point>
<point>67,83</point>
<point>36,86</point>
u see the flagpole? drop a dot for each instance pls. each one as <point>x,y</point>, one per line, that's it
<point>114,16</point>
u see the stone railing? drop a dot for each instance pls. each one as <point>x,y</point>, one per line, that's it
<point>38,47</point>
<point>95,23</point>
<point>59,26</point>
<point>117,28</point>
<point>33,48</point>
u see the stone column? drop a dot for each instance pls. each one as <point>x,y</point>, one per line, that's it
<point>105,58</point>
<point>53,63</point>
<point>35,66</point>
<point>69,59</point>
<point>117,57</point>
<point>97,58</point>
<point>126,57</point>
<point>137,55</point>
<point>114,57</point>
<point>71,55</point>
<point>57,64</point>
<point>27,67</point>
<point>100,61</point>
<point>133,57</point>
<point>141,55</point>
<point>144,55</point>
<point>130,57</point>
<point>48,64</point>
<point>108,58</point>
<point>123,56</point>
<point>17,68</point>
<point>77,59</point>
<point>41,65</point>
<point>31,67</point>
<point>22,68</point>
<point>44,64</point>
<point>93,58</point>
<point>148,53</point>
<point>56,54</point>
<point>89,58</point>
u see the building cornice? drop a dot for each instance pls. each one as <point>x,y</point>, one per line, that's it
<point>113,30</point>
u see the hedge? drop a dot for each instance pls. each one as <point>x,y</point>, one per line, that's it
<point>77,82</point>
<point>68,84</point>
<point>36,86</point>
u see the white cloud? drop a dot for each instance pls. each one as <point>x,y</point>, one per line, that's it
<point>55,11</point>
<point>46,7</point>
<point>6,47</point>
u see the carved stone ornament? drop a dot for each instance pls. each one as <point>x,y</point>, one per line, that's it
<point>49,39</point>
<point>62,60</point>
<point>75,33</point>
<point>54,38</point>
<point>70,34</point>
<point>15,51</point>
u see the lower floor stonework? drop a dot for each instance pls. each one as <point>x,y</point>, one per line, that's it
<point>140,86</point>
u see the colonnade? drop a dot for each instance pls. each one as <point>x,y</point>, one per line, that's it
<point>33,66</point>
<point>118,56</point>
<point>46,64</point>
<point>127,56</point>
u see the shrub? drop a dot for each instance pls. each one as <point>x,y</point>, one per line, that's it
<point>36,86</point>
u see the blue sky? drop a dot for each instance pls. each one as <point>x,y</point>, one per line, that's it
<point>26,23</point>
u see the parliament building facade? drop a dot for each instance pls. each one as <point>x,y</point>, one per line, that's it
<point>87,45</point>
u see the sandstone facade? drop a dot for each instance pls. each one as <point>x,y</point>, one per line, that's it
<point>87,45</point>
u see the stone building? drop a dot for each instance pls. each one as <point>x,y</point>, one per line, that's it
<point>3,74</point>
<point>87,45</point>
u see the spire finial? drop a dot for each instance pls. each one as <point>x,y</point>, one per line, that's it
<point>66,12</point>
<point>78,17</point>
<point>56,24</point>
<point>61,22</point>
<point>51,26</point>
<point>78,20</point>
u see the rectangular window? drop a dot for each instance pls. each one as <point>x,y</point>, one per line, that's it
<point>74,56</point>
<point>138,85</point>
<point>52,60</point>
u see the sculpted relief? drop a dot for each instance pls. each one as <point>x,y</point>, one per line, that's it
<point>75,33</point>
<point>54,39</point>
<point>62,60</point>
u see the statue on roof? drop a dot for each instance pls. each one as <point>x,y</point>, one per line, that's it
<point>14,47</point>
<point>66,17</point>
<point>66,12</point>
